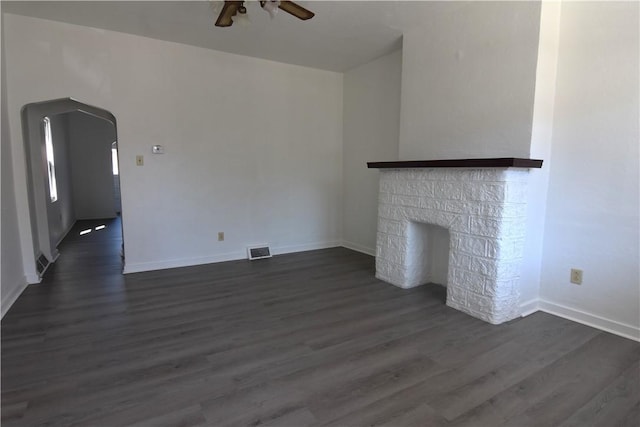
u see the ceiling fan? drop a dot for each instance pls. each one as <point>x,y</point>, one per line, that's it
<point>232,8</point>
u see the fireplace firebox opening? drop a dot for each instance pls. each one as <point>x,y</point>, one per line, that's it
<point>427,254</point>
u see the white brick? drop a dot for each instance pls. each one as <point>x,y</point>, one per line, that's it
<point>467,280</point>
<point>516,192</point>
<point>390,212</point>
<point>457,295</point>
<point>461,261</point>
<point>430,174</point>
<point>508,269</point>
<point>394,257</point>
<point>493,248</point>
<point>483,192</point>
<point>384,198</point>
<point>488,227</point>
<point>401,200</point>
<point>485,212</point>
<point>513,228</point>
<point>502,289</point>
<point>473,245</point>
<point>431,203</point>
<point>485,266</point>
<point>453,206</point>
<point>448,191</point>
<point>514,210</point>
<point>482,303</point>
<point>509,249</point>
<point>391,227</point>
<point>485,209</point>
<point>490,174</point>
<point>396,243</point>
<point>414,188</point>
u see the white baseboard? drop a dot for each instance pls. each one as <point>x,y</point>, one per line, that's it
<point>33,278</point>
<point>359,248</point>
<point>139,267</point>
<point>598,322</point>
<point>11,297</point>
<point>529,307</point>
<point>280,250</point>
<point>231,256</point>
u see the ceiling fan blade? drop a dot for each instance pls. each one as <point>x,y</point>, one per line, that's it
<point>229,10</point>
<point>296,10</point>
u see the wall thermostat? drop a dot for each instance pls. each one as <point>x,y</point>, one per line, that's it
<point>157,149</point>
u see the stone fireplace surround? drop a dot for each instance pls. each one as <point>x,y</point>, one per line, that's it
<point>482,203</point>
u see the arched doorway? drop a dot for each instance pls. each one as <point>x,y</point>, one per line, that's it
<point>68,146</point>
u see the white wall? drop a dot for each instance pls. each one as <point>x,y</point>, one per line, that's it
<point>12,280</point>
<point>541,138</point>
<point>371,129</point>
<point>468,80</point>
<point>90,140</point>
<point>592,217</point>
<point>61,214</point>
<point>253,147</point>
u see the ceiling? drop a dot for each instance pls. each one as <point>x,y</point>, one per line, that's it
<point>342,35</point>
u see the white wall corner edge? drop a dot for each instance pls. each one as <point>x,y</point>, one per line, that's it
<point>9,299</point>
<point>358,248</point>
<point>529,307</point>
<point>617,328</point>
<point>33,278</point>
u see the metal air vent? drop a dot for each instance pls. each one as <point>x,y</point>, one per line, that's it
<point>259,252</point>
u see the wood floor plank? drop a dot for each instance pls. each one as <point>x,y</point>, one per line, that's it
<point>612,404</point>
<point>301,339</point>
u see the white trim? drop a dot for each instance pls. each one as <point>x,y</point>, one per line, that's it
<point>231,256</point>
<point>529,307</point>
<point>305,247</point>
<point>9,299</point>
<point>608,325</point>
<point>44,270</point>
<point>358,248</point>
<point>183,262</point>
<point>33,279</point>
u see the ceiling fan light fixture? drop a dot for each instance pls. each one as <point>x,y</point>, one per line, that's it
<point>242,19</point>
<point>236,8</point>
<point>216,6</point>
<point>271,6</point>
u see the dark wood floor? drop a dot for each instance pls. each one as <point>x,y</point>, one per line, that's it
<point>303,339</point>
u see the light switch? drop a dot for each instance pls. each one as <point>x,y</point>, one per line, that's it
<point>139,160</point>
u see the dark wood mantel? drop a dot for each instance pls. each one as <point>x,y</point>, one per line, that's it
<point>501,162</point>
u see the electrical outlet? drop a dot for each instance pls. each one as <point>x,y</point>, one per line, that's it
<point>220,236</point>
<point>139,160</point>
<point>576,276</point>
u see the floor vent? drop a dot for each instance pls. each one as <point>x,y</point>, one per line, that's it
<point>41,264</point>
<point>259,252</point>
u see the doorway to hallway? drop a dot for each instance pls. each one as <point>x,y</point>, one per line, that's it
<point>73,175</point>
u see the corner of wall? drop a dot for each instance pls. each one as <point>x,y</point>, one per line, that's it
<point>10,297</point>
<point>541,139</point>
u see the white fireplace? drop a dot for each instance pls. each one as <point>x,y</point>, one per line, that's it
<point>461,225</point>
